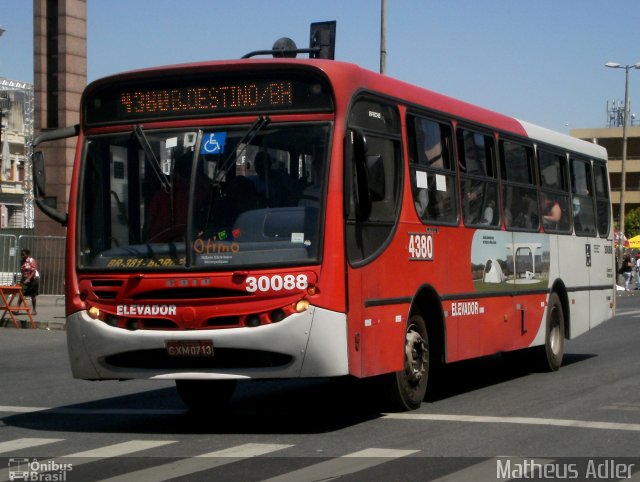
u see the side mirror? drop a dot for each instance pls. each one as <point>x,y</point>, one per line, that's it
<point>39,171</point>
<point>39,174</point>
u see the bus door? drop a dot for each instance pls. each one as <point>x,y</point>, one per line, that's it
<point>586,262</point>
<point>603,271</point>
<point>373,183</point>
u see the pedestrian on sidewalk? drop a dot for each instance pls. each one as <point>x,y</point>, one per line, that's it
<point>30,280</point>
<point>637,263</point>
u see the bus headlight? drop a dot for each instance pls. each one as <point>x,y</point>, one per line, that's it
<point>93,312</point>
<point>302,306</point>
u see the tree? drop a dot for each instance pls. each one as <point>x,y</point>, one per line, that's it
<point>632,223</point>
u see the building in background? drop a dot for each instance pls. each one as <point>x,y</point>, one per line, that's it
<point>610,137</point>
<point>60,76</point>
<point>16,134</point>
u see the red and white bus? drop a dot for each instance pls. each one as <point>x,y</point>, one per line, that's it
<point>284,218</point>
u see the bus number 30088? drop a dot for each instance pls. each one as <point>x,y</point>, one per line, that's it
<point>277,282</point>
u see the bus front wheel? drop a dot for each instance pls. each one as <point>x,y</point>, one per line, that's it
<point>406,388</point>
<point>206,394</point>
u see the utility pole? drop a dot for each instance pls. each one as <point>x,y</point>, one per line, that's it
<point>625,116</point>
<point>383,36</point>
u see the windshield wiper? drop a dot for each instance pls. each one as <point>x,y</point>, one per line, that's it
<point>260,123</point>
<point>155,164</point>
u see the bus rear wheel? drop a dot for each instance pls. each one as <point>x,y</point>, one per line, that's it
<point>548,357</point>
<point>206,394</point>
<point>554,338</point>
<point>407,387</point>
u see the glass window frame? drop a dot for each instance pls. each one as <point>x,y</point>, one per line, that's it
<point>563,192</point>
<point>580,199</point>
<point>515,189</point>
<point>603,198</point>
<point>484,182</point>
<point>367,239</point>
<point>434,176</point>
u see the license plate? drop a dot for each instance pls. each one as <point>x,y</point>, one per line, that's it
<point>189,348</point>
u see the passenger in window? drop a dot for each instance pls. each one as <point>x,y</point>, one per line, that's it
<point>310,196</point>
<point>473,200</point>
<point>422,202</point>
<point>274,185</point>
<point>487,217</point>
<point>526,217</point>
<point>553,213</point>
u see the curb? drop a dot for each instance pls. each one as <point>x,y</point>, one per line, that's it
<point>40,325</point>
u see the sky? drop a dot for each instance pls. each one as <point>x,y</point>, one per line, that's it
<point>538,60</point>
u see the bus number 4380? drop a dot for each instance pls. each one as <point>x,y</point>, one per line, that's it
<point>420,246</point>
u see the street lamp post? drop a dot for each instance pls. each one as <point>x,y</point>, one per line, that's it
<point>614,65</point>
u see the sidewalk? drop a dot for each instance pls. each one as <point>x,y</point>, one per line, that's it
<point>50,314</point>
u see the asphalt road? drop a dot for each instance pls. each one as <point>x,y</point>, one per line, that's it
<point>489,421</point>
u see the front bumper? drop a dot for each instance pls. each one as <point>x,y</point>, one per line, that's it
<point>308,344</point>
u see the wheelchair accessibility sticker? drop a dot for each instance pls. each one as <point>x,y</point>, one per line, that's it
<point>213,143</point>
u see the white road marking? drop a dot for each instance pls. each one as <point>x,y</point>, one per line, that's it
<point>347,464</point>
<point>632,427</point>
<point>92,411</point>
<point>198,463</point>
<point>15,409</point>
<point>79,458</point>
<point>25,443</point>
<point>631,407</point>
<point>627,312</point>
<point>117,450</point>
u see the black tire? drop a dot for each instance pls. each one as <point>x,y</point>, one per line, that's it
<point>206,394</point>
<point>548,357</point>
<point>405,389</point>
<point>554,337</point>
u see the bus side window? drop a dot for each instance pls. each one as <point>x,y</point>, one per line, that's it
<point>556,210</point>
<point>379,124</point>
<point>478,179</point>
<point>584,220</point>
<point>432,172</point>
<point>602,198</point>
<point>520,196</point>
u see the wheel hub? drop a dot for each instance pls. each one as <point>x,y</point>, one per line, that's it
<point>416,356</point>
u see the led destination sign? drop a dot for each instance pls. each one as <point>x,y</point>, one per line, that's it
<point>208,99</point>
<point>192,97</point>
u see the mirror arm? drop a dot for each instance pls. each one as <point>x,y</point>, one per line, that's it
<point>38,179</point>
<point>54,135</point>
<point>52,213</point>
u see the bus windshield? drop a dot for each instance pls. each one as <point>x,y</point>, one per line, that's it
<point>211,198</point>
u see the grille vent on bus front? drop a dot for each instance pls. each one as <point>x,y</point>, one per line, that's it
<point>106,295</point>
<point>189,293</point>
<point>104,292</point>
<point>107,282</point>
